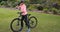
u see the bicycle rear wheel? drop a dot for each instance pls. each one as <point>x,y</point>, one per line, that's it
<point>16,25</point>
<point>33,21</point>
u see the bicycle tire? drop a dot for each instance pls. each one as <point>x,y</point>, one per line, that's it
<point>30,22</point>
<point>11,25</point>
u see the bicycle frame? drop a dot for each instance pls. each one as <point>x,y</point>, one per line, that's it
<point>20,14</point>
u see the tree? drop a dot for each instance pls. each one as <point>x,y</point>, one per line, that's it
<point>33,1</point>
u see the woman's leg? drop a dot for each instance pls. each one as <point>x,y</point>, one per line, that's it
<point>22,21</point>
<point>26,21</point>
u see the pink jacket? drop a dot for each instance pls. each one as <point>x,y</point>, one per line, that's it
<point>23,9</point>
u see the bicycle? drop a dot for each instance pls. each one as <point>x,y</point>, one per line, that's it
<point>17,21</point>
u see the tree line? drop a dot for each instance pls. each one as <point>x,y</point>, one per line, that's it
<point>47,6</point>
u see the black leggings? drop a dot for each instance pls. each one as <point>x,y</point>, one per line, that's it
<point>25,18</point>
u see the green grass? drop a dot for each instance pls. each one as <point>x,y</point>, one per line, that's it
<point>46,22</point>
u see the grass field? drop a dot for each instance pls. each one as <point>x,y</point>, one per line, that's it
<point>46,22</point>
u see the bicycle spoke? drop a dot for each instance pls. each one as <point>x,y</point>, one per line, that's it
<point>16,25</point>
<point>33,22</point>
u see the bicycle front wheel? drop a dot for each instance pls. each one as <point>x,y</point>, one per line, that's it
<point>16,25</point>
<point>33,21</point>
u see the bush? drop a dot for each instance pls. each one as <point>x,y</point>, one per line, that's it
<point>56,5</point>
<point>58,12</point>
<point>31,7</point>
<point>9,3</point>
<point>14,4</point>
<point>55,11</point>
<point>3,3</point>
<point>40,8</point>
<point>45,10</point>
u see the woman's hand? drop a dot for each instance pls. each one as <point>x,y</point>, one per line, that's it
<point>17,7</point>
